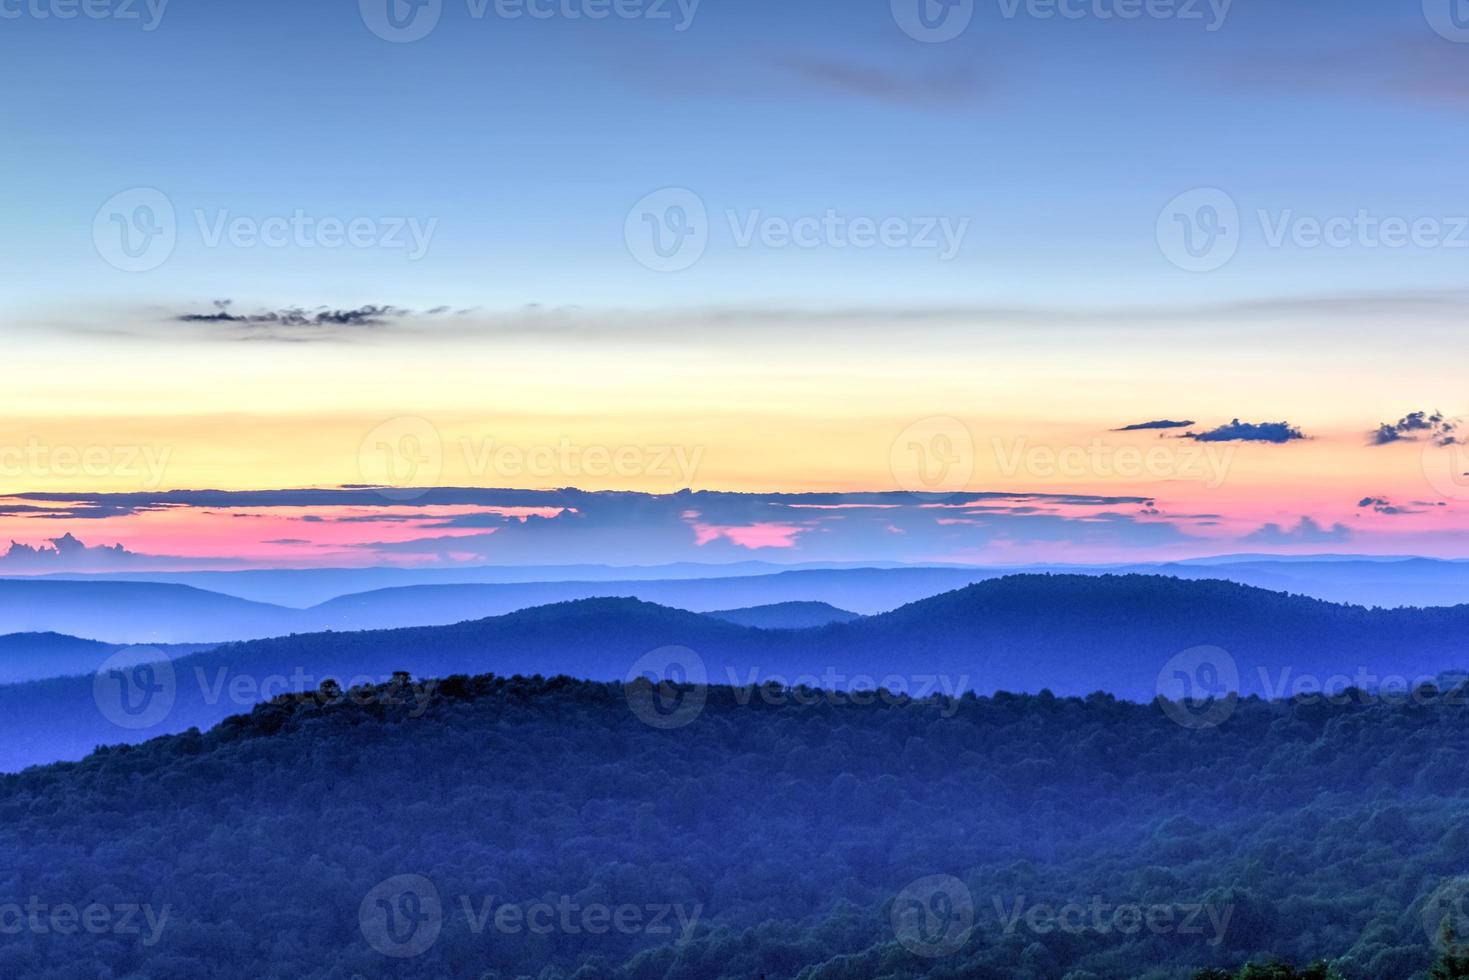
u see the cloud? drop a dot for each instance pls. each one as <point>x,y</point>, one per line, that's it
<point>64,554</point>
<point>1306,531</point>
<point>1237,431</point>
<point>1160,424</point>
<point>1382,505</point>
<point>364,316</point>
<point>1439,430</point>
<point>763,535</point>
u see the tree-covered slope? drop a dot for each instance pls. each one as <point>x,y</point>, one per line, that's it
<point>777,837</point>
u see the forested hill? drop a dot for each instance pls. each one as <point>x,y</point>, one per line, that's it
<point>1068,634</point>
<point>762,837</point>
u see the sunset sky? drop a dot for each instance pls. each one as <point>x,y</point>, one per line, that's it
<point>1073,225</point>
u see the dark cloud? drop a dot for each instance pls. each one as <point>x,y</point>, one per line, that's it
<point>1431,425</point>
<point>1237,431</point>
<point>1306,531</point>
<point>1382,505</point>
<point>1160,424</point>
<point>365,316</point>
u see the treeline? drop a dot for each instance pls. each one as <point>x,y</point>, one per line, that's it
<point>776,840</point>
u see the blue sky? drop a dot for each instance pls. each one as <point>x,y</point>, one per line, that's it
<point>526,142</point>
<point>999,248</point>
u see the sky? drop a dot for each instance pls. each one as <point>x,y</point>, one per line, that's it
<point>747,249</point>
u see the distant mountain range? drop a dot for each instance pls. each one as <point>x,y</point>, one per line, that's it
<point>34,656</point>
<point>1067,633</point>
<point>118,611</point>
<point>786,615</point>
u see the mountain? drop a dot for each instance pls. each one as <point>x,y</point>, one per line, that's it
<point>786,615</point>
<point>146,612</point>
<point>34,656</point>
<point>1066,633</point>
<point>151,612</point>
<point>134,612</point>
<point>1359,579</point>
<point>303,587</point>
<point>385,835</point>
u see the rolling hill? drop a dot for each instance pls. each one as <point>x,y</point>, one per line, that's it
<point>1067,634</point>
<point>786,615</point>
